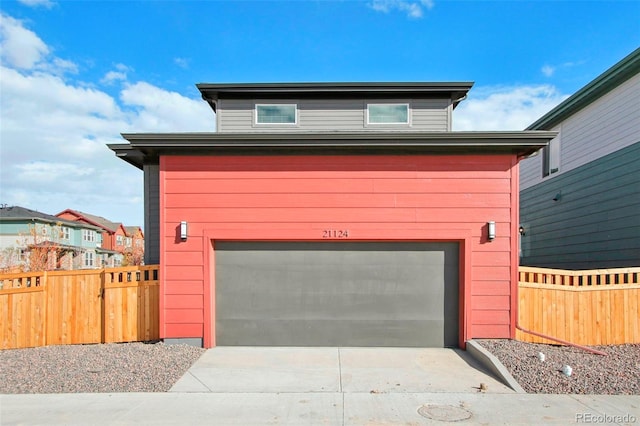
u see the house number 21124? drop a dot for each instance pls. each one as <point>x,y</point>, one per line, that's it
<point>335,233</point>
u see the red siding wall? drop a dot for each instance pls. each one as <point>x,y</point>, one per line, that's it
<point>374,197</point>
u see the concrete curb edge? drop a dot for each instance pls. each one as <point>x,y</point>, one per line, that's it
<point>492,363</point>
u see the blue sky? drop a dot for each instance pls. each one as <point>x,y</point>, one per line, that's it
<point>75,74</point>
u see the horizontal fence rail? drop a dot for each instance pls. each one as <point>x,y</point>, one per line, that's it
<point>590,307</point>
<point>594,277</point>
<point>79,307</point>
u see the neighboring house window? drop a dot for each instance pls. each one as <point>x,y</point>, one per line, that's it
<point>119,240</point>
<point>89,259</point>
<point>551,157</point>
<point>88,235</point>
<point>388,114</point>
<point>128,242</point>
<point>65,233</point>
<point>46,235</point>
<point>276,114</point>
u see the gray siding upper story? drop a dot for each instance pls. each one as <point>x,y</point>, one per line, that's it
<point>605,126</point>
<point>238,115</point>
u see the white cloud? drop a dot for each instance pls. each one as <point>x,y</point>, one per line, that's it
<point>413,9</point>
<point>37,3</point>
<point>505,108</point>
<point>40,171</point>
<point>181,62</point>
<point>157,110</point>
<point>120,74</point>
<point>21,48</point>
<point>113,76</point>
<point>54,132</point>
<point>548,70</point>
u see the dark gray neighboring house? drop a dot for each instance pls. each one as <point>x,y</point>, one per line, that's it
<point>580,197</point>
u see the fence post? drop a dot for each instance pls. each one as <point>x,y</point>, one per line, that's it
<point>103,292</point>
<point>44,283</point>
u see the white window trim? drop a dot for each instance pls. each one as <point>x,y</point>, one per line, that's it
<point>89,259</point>
<point>551,157</point>
<point>88,235</point>
<point>391,123</point>
<point>255,113</point>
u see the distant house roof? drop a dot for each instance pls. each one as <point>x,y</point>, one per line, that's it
<point>603,84</point>
<point>133,230</point>
<point>211,92</point>
<point>16,213</point>
<point>95,220</point>
<point>103,223</point>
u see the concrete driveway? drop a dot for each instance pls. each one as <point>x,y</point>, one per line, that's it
<point>337,370</point>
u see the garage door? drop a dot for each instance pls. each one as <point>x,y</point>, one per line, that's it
<point>336,294</point>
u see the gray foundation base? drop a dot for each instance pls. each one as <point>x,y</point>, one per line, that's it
<point>191,341</point>
<point>492,363</point>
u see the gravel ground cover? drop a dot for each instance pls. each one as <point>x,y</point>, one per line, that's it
<point>155,367</point>
<point>113,367</point>
<point>617,373</point>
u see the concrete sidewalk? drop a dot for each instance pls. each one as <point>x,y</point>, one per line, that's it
<point>317,408</point>
<point>324,386</point>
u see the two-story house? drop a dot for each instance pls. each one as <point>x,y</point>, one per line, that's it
<point>31,240</point>
<point>580,205</point>
<point>333,214</point>
<point>120,244</point>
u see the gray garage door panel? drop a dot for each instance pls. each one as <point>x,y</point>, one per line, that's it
<point>336,294</point>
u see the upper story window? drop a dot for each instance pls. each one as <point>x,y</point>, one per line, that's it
<point>88,235</point>
<point>127,242</point>
<point>65,233</point>
<point>120,240</point>
<point>276,114</point>
<point>387,113</point>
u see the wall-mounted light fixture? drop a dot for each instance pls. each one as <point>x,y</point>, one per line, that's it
<point>491,230</point>
<point>183,230</point>
<point>557,197</point>
<point>521,230</point>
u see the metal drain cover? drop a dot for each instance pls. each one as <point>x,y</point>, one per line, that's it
<point>444,413</point>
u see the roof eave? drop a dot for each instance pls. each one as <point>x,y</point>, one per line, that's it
<point>149,145</point>
<point>211,92</point>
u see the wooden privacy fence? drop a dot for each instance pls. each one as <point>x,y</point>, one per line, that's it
<point>595,307</point>
<point>78,307</point>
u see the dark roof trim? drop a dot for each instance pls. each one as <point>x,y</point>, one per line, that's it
<point>453,90</point>
<point>127,153</point>
<point>609,80</point>
<point>21,214</point>
<point>329,87</point>
<point>150,145</point>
